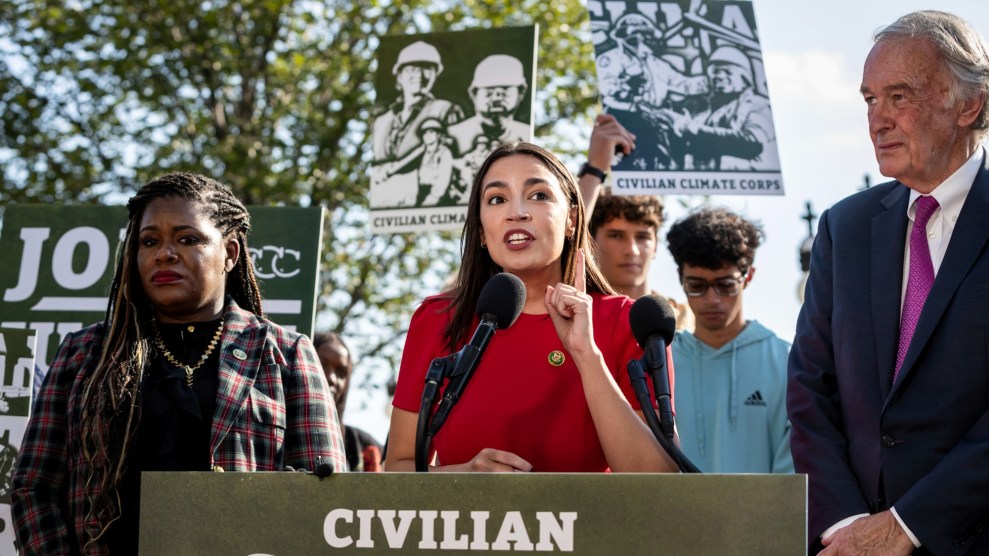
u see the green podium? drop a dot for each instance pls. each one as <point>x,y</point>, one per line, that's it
<point>295,514</point>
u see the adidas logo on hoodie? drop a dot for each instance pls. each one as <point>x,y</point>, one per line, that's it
<point>755,399</point>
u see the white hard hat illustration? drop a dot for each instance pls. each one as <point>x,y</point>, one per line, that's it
<point>733,56</point>
<point>498,70</point>
<point>418,52</point>
<point>634,24</point>
<point>431,124</point>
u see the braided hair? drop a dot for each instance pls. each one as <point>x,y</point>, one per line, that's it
<point>110,415</point>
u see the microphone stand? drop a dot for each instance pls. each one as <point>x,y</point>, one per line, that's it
<point>439,369</point>
<point>661,388</point>
<point>637,376</point>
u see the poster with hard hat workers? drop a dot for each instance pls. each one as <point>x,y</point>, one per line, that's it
<point>687,78</point>
<point>441,108</point>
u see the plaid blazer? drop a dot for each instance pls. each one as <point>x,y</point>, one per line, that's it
<point>273,409</point>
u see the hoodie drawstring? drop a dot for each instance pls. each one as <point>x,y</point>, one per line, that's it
<point>733,390</point>
<point>698,401</point>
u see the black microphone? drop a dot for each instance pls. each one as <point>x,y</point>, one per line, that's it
<point>653,325</point>
<point>323,469</point>
<point>499,304</point>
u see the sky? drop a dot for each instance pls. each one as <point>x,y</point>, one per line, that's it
<point>813,54</point>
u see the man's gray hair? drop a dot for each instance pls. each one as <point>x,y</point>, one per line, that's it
<point>961,46</point>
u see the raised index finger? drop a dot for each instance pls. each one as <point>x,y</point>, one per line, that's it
<point>580,281</point>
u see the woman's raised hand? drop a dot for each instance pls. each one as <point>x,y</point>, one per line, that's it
<point>570,309</point>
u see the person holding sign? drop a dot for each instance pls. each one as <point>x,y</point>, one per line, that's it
<point>551,392</point>
<point>183,374</point>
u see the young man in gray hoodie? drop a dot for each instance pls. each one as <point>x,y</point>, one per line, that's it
<point>730,373</point>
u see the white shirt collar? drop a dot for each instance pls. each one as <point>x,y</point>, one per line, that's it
<point>951,193</point>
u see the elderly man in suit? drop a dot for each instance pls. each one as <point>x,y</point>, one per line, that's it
<point>888,389</point>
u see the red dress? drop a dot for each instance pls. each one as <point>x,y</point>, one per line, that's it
<point>517,400</point>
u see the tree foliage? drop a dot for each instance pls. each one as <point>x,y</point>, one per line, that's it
<point>273,97</point>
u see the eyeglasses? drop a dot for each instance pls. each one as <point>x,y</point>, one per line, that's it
<point>728,286</point>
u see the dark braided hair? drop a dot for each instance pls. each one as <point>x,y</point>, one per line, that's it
<point>110,413</point>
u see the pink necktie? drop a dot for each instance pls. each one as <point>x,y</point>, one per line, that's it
<point>919,279</point>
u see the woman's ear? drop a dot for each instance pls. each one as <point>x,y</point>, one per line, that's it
<point>233,254</point>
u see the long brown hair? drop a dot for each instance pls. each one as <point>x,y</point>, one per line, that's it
<point>110,392</point>
<point>477,267</point>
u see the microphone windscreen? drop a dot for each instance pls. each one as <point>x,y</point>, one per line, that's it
<point>652,315</point>
<point>503,297</point>
<point>323,470</point>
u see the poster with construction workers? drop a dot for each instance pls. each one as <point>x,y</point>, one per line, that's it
<point>441,108</point>
<point>687,78</point>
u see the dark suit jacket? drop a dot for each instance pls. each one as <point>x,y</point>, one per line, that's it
<point>921,443</point>
<point>273,409</point>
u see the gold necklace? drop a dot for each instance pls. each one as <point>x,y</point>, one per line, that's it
<point>189,370</point>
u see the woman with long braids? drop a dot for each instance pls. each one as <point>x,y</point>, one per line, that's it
<point>183,374</point>
<point>551,392</point>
